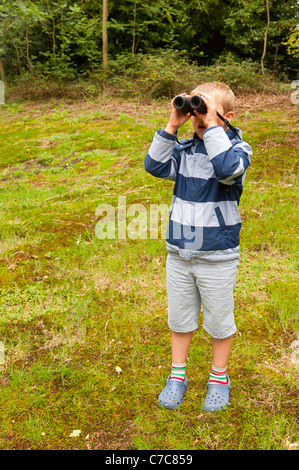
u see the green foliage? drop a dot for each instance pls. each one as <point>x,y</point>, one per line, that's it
<point>244,30</point>
<point>54,38</point>
<point>62,39</point>
<point>154,75</point>
<point>165,73</point>
<point>293,43</point>
<point>241,75</point>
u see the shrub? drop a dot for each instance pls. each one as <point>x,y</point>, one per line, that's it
<point>153,75</point>
<point>146,76</point>
<point>242,76</point>
<point>166,73</point>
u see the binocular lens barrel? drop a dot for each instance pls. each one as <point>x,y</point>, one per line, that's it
<point>182,103</point>
<point>187,105</point>
<point>198,104</point>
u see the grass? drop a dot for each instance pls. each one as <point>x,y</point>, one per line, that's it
<point>84,320</point>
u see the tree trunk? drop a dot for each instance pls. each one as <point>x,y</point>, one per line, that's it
<point>266,36</point>
<point>53,33</point>
<point>18,58</point>
<point>29,64</point>
<point>105,35</point>
<point>134,30</point>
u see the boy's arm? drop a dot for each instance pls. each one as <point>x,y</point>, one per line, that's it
<point>229,161</point>
<point>162,159</point>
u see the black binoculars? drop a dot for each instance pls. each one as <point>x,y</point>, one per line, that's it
<point>195,103</point>
<point>189,105</point>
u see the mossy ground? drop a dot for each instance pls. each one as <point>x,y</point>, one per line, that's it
<point>75,308</point>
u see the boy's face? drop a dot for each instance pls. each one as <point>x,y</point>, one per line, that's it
<point>198,122</point>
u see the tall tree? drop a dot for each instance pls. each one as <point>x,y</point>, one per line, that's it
<point>265,37</point>
<point>105,35</point>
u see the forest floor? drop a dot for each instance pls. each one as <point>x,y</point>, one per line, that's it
<point>84,342</point>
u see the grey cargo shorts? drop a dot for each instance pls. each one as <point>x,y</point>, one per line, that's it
<point>196,282</point>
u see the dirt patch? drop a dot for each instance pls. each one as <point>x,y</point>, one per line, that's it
<point>293,141</point>
<point>117,439</point>
<point>107,105</point>
<point>259,102</point>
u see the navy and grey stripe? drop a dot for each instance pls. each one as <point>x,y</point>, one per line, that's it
<point>209,176</point>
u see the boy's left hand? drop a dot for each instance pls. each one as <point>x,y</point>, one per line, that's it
<point>210,118</point>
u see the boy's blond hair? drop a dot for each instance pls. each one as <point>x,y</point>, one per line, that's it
<point>221,90</point>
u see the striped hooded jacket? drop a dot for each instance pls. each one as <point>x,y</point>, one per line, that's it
<point>209,175</point>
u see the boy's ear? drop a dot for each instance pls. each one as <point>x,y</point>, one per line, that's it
<point>229,116</point>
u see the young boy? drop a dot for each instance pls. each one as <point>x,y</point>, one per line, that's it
<point>203,235</point>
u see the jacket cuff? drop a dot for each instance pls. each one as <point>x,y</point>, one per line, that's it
<point>166,135</point>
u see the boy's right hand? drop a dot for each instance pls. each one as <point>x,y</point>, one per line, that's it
<point>177,118</point>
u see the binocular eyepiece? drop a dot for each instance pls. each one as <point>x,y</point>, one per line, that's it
<point>186,105</point>
<point>195,103</point>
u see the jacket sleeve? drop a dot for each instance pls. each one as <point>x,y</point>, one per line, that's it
<point>230,159</point>
<point>162,159</point>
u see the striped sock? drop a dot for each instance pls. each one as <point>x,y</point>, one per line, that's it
<point>178,371</point>
<point>218,376</point>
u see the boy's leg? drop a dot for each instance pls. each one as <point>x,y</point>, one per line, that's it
<point>216,284</point>
<point>180,346</point>
<point>217,396</point>
<point>173,393</point>
<point>183,311</point>
<point>221,350</point>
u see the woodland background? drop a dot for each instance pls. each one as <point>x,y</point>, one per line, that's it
<point>146,49</point>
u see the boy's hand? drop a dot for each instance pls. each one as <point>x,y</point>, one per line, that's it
<point>210,118</point>
<point>177,118</point>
